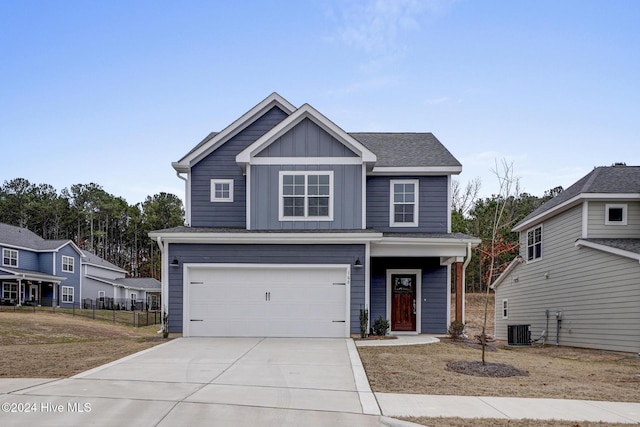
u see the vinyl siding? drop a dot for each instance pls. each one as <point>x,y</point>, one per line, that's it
<point>432,209</point>
<point>222,164</point>
<point>27,260</point>
<point>597,293</point>
<point>264,254</point>
<point>433,305</point>
<point>72,279</point>
<point>306,139</point>
<point>347,198</point>
<point>598,228</point>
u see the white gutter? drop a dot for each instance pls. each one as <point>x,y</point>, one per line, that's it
<point>464,278</point>
<point>164,279</point>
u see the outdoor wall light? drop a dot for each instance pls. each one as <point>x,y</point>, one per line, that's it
<point>358,263</point>
<point>175,262</point>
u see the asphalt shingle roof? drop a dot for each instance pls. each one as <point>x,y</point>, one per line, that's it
<point>605,179</point>
<point>629,245</point>
<point>406,149</point>
<point>17,236</point>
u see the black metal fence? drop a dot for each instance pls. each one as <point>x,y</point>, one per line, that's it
<point>121,311</point>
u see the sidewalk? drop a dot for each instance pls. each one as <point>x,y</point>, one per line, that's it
<point>417,405</point>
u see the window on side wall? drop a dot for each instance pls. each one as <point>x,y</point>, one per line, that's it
<point>222,190</point>
<point>10,257</point>
<point>67,294</point>
<point>404,203</point>
<point>615,214</point>
<point>505,308</point>
<point>306,196</point>
<point>67,264</point>
<point>534,244</point>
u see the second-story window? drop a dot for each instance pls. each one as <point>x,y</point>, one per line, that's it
<point>306,196</point>
<point>10,257</point>
<point>615,214</point>
<point>534,244</point>
<point>404,203</point>
<point>67,264</point>
<point>222,190</point>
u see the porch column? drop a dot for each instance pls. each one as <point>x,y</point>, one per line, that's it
<point>459,292</point>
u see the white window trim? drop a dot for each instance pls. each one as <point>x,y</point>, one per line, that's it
<point>101,295</point>
<point>4,250</point>
<point>213,191</point>
<point>614,206</point>
<point>505,308</point>
<point>526,236</point>
<point>69,264</point>
<point>416,203</point>
<point>65,295</point>
<point>9,285</point>
<point>281,216</point>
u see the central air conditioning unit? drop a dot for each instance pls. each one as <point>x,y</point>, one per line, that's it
<point>519,334</point>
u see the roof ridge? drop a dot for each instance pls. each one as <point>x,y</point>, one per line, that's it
<point>592,178</point>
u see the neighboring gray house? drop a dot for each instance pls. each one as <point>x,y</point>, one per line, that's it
<point>295,225</point>
<point>35,271</point>
<point>577,279</point>
<point>106,286</point>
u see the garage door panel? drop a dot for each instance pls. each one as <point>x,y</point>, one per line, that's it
<point>267,301</point>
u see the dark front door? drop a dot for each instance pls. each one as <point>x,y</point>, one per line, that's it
<point>403,302</point>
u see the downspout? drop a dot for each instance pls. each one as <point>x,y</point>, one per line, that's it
<point>187,203</point>
<point>464,279</point>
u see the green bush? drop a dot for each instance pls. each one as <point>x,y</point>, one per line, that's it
<point>380,326</point>
<point>456,328</point>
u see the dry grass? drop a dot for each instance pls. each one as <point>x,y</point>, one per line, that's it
<point>554,372</point>
<point>49,345</point>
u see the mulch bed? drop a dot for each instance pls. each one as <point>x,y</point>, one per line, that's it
<point>494,370</point>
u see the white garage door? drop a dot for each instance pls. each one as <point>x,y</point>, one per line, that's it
<point>266,301</point>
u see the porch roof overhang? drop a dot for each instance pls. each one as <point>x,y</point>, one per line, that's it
<point>449,247</point>
<point>7,273</point>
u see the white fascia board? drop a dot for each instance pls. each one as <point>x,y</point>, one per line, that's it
<point>264,238</point>
<point>184,164</point>
<point>33,276</point>
<point>421,248</point>
<point>573,201</point>
<point>104,267</point>
<point>247,155</point>
<point>416,170</point>
<point>608,249</point>
<point>306,161</point>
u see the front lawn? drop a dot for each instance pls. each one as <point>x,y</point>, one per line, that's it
<point>55,345</point>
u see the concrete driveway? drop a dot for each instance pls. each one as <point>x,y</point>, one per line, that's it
<point>208,381</point>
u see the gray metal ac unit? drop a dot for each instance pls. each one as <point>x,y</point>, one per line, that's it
<point>519,334</point>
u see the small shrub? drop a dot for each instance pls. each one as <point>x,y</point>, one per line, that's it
<point>380,326</point>
<point>456,328</point>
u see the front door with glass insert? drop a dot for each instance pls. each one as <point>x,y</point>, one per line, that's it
<point>403,302</point>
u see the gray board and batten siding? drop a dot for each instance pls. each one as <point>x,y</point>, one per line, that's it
<point>347,198</point>
<point>306,139</point>
<point>264,254</point>
<point>433,304</point>
<point>222,164</point>
<point>598,293</point>
<point>432,208</point>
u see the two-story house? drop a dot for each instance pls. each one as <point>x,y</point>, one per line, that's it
<point>106,286</point>
<point>35,271</point>
<point>576,281</point>
<point>296,225</point>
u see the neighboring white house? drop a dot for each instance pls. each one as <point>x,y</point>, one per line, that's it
<point>576,281</point>
<point>106,286</point>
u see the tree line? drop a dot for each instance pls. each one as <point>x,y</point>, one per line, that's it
<point>477,217</point>
<point>93,219</point>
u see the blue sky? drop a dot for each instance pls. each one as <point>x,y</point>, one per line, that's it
<point>112,92</point>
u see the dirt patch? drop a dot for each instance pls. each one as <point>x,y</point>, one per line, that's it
<point>478,369</point>
<point>53,345</point>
